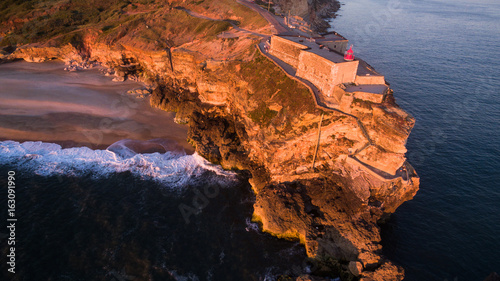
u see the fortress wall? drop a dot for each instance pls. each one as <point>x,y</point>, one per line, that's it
<point>345,72</point>
<point>371,79</point>
<point>376,98</point>
<point>318,71</point>
<point>338,93</point>
<point>286,50</point>
<point>324,73</point>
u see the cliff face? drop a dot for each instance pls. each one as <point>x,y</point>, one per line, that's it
<point>314,11</point>
<point>244,112</point>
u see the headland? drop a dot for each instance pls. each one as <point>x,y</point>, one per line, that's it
<point>323,138</point>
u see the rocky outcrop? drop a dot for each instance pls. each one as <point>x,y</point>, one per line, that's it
<point>317,12</point>
<point>244,113</point>
<point>493,277</point>
<point>332,209</point>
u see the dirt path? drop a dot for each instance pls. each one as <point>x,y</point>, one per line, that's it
<point>280,27</point>
<point>235,26</point>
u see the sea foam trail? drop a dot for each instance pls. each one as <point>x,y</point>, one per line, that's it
<point>174,168</point>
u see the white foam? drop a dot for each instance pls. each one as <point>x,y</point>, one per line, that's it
<point>47,159</point>
<point>188,277</point>
<point>251,226</point>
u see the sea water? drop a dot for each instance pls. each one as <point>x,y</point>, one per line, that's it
<point>115,192</point>
<point>442,58</point>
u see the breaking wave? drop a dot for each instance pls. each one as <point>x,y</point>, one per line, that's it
<point>160,160</point>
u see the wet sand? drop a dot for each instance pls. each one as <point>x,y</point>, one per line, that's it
<point>42,102</point>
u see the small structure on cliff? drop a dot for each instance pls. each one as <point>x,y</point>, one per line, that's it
<point>334,42</point>
<point>326,68</point>
<point>349,55</point>
<point>322,67</point>
<point>372,93</point>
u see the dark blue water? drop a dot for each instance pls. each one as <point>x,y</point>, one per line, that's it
<point>442,59</point>
<point>140,210</point>
<point>127,228</point>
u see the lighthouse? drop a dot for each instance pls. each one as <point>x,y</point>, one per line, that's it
<point>349,55</point>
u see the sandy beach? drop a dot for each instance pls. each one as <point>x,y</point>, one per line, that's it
<point>42,102</point>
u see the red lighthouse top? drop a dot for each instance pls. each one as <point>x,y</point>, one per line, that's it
<point>349,54</point>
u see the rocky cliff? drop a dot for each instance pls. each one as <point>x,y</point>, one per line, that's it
<point>244,113</point>
<point>316,12</point>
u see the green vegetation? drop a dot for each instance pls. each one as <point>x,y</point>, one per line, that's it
<point>362,103</point>
<point>150,22</point>
<point>230,9</point>
<point>269,84</point>
<point>19,8</point>
<point>265,5</point>
<point>262,114</point>
<point>74,38</point>
<point>42,20</point>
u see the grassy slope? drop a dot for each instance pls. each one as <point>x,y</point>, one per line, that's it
<point>270,85</point>
<point>155,25</point>
<point>29,21</point>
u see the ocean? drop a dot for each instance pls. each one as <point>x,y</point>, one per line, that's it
<point>442,59</point>
<point>154,210</point>
<point>115,192</point>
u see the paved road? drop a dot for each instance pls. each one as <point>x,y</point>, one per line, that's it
<point>278,25</point>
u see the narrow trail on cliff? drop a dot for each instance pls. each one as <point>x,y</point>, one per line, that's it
<point>280,28</point>
<point>233,24</point>
<point>315,93</point>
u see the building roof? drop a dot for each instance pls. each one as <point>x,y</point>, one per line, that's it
<point>373,89</point>
<point>330,38</point>
<point>315,48</point>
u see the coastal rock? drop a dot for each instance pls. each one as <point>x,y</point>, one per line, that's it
<point>244,113</point>
<point>356,268</point>
<point>386,272</point>
<point>40,53</point>
<point>310,278</point>
<point>332,209</point>
<point>493,277</point>
<point>316,12</point>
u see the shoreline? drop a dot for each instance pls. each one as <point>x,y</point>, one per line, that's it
<point>244,113</point>
<point>48,112</point>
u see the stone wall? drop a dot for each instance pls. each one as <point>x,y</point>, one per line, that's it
<point>370,79</point>
<point>373,97</point>
<point>317,70</point>
<point>346,72</point>
<point>324,73</point>
<point>286,50</point>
